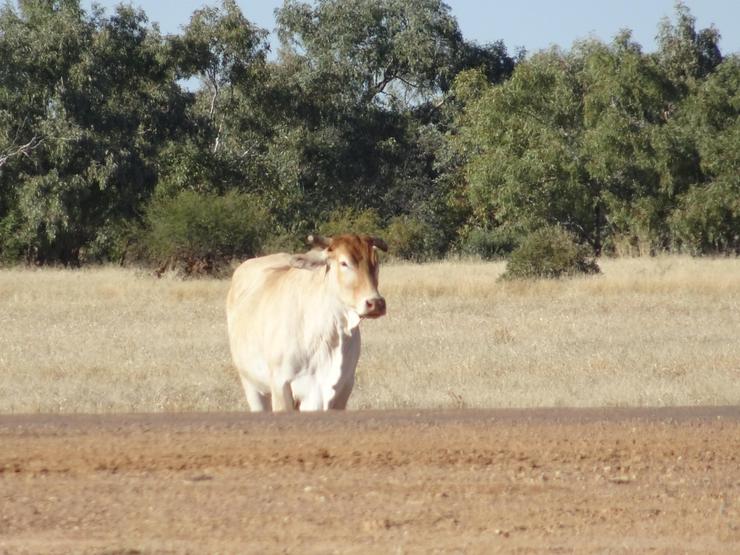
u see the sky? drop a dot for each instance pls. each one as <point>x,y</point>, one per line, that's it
<point>532,24</point>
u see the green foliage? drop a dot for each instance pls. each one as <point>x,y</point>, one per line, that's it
<point>390,49</point>
<point>707,220</point>
<point>713,116</point>
<point>375,116</point>
<point>685,53</point>
<point>349,220</point>
<point>550,252</point>
<point>522,140</point>
<point>203,232</point>
<point>619,138</point>
<point>707,216</point>
<point>227,53</point>
<point>488,244</point>
<point>12,246</point>
<point>85,103</point>
<point>284,242</point>
<point>603,140</point>
<point>410,239</point>
<point>360,88</point>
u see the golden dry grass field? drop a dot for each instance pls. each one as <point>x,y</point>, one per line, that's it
<point>647,332</point>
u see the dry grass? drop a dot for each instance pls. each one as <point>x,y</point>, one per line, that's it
<point>660,331</point>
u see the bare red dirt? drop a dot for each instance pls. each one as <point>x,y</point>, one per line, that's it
<point>522,481</point>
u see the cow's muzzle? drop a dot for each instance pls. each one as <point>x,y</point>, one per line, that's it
<point>374,308</point>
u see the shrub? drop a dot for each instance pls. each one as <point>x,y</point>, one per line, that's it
<point>349,220</point>
<point>285,242</point>
<point>12,244</point>
<point>201,233</point>
<point>410,238</point>
<point>708,219</point>
<point>550,252</point>
<point>488,244</point>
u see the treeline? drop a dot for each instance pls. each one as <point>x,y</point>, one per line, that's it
<point>373,116</point>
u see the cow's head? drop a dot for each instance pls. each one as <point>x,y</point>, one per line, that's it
<point>351,263</point>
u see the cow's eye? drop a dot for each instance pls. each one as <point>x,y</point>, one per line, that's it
<point>344,264</point>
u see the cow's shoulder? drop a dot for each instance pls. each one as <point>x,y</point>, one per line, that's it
<point>258,274</point>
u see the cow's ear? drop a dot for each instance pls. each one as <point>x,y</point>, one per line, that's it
<point>378,243</point>
<point>319,242</point>
<point>311,260</point>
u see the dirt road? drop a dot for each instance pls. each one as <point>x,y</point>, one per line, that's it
<point>589,481</point>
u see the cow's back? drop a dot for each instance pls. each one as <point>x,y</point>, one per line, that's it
<point>270,310</point>
<point>253,277</point>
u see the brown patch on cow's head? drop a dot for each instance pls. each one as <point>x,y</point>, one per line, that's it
<point>352,261</point>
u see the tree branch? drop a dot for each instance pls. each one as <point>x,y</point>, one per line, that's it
<point>23,150</point>
<point>389,74</point>
<point>392,96</point>
<point>217,142</point>
<point>407,83</point>
<point>213,102</point>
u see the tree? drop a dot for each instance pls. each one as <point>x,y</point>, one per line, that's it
<point>684,53</point>
<point>372,77</point>
<point>626,101</point>
<point>393,51</point>
<point>707,218</point>
<point>373,112</point>
<point>604,141</point>
<point>226,53</point>
<point>230,129</point>
<point>521,142</point>
<point>91,98</point>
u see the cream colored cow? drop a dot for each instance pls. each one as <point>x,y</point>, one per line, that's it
<point>294,322</point>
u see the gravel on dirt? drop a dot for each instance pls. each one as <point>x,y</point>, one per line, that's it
<point>469,481</point>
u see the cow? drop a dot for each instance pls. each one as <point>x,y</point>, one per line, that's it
<point>293,322</point>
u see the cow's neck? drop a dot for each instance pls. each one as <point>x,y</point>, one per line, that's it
<point>333,309</point>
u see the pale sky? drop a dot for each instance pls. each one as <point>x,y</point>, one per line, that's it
<point>532,24</point>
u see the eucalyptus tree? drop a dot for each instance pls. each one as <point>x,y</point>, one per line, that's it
<point>684,52</point>
<point>627,99</point>
<point>522,143</point>
<point>89,99</point>
<point>369,81</point>
<point>607,141</point>
<point>707,218</point>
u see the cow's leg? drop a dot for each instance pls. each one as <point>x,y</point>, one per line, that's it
<point>348,362</point>
<point>339,401</point>
<point>282,397</point>
<point>258,401</point>
<point>312,402</point>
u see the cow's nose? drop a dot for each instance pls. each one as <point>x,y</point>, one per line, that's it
<point>375,306</point>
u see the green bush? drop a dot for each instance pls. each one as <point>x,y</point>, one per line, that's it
<point>410,238</point>
<point>550,252</point>
<point>708,219</point>
<point>13,248</point>
<point>488,244</point>
<point>201,233</point>
<point>349,220</point>
<point>285,242</point>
